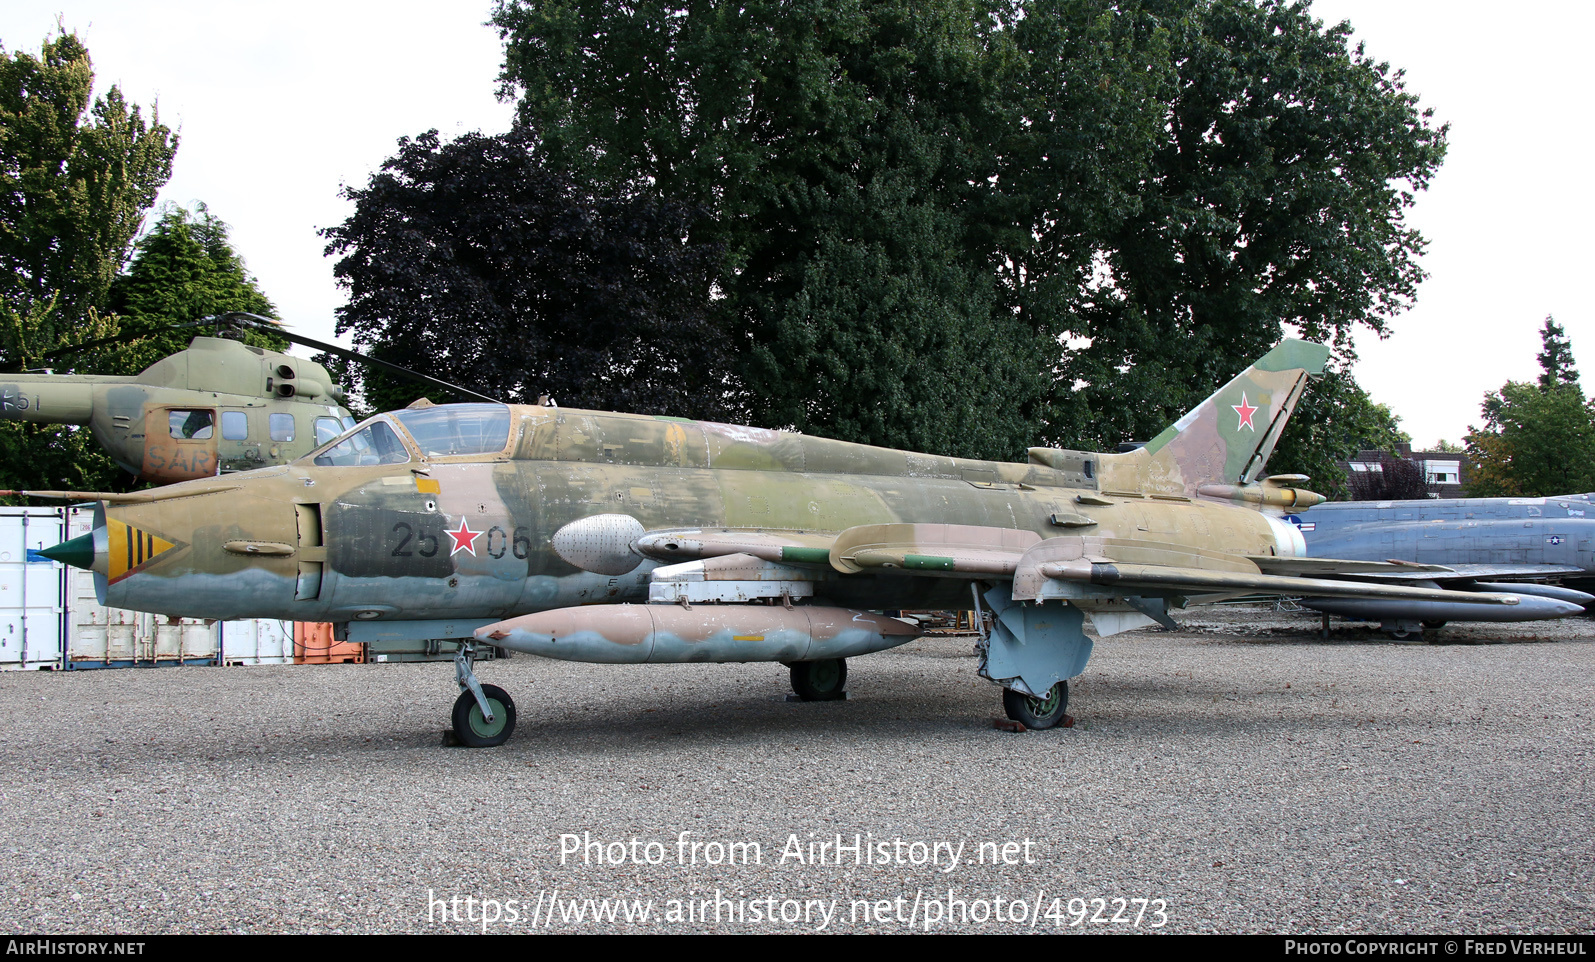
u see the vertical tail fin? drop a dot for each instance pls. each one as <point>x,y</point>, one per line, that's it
<point>1228,437</point>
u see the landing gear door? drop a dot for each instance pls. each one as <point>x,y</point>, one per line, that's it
<point>179,444</point>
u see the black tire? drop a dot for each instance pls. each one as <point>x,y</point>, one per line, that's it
<point>469,726</point>
<point>820,680</point>
<point>1037,713</point>
<point>1403,634</point>
<point>1433,625</point>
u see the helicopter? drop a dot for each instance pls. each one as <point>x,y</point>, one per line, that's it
<point>217,407</point>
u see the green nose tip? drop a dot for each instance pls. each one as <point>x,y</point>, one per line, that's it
<point>79,552</point>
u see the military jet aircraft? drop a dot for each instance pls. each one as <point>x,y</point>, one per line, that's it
<point>508,525</point>
<point>1465,544</point>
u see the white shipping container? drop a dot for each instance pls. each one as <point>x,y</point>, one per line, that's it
<point>42,603</point>
<point>31,612</point>
<point>258,642</point>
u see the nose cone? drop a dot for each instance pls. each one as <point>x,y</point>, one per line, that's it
<point>191,556</point>
<point>79,552</point>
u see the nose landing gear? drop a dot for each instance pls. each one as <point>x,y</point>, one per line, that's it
<point>484,715</point>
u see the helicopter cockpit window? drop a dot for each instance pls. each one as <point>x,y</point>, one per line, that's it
<point>196,425</point>
<point>282,427</point>
<point>329,428</point>
<point>235,426</point>
<point>377,444</point>
<point>455,429</point>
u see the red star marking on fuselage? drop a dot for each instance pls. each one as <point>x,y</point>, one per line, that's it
<point>1246,411</point>
<point>464,539</point>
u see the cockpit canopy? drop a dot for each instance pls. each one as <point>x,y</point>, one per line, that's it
<point>440,431</point>
<point>451,430</point>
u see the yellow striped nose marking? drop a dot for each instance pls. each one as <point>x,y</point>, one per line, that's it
<point>130,548</point>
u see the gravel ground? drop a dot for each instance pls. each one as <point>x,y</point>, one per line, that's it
<point>1241,775</point>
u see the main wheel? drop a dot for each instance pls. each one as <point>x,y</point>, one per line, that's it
<point>819,680</point>
<point>474,730</point>
<point>1434,625</point>
<point>1037,713</point>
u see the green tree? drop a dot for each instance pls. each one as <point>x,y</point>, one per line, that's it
<point>1556,356</point>
<point>1538,439</point>
<point>511,279</point>
<point>184,269</point>
<point>923,203</point>
<point>853,156</point>
<point>1275,196</point>
<point>1535,442</point>
<point>75,181</point>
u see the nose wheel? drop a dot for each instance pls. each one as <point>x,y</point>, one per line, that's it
<point>484,715</point>
<point>473,728</point>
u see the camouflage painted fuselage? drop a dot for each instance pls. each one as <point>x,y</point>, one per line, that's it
<point>218,406</point>
<point>472,536</point>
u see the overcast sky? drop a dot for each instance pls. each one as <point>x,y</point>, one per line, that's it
<point>281,104</point>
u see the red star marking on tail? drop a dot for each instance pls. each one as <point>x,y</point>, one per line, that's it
<point>464,539</point>
<point>1245,411</point>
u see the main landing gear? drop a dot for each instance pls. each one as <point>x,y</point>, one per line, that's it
<point>1037,713</point>
<point>484,715</point>
<point>824,680</point>
<point>1405,629</point>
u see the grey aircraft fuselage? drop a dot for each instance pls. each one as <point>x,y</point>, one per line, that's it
<point>1483,538</point>
<point>1484,541</point>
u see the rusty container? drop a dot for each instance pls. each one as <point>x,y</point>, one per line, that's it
<point>315,645</point>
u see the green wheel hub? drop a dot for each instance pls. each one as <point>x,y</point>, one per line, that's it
<point>1046,706</point>
<point>1044,712</point>
<point>470,728</point>
<point>485,728</point>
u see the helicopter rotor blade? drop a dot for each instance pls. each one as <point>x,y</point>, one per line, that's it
<point>274,327</point>
<point>122,339</point>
